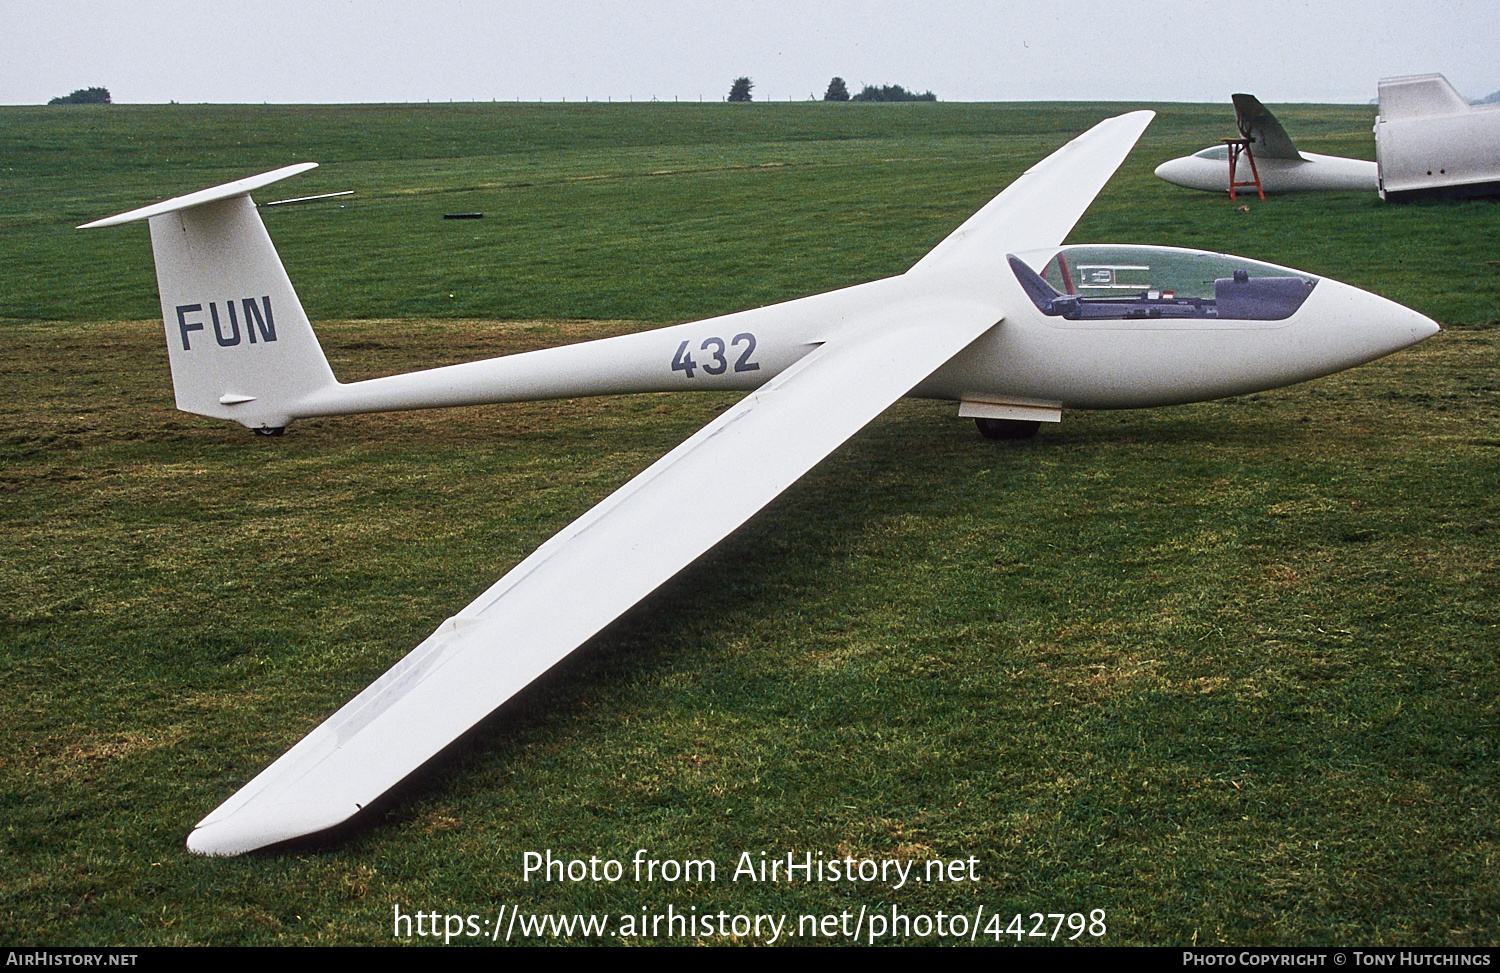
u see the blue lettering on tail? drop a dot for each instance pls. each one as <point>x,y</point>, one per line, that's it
<point>258,321</point>
<point>234,334</point>
<point>253,320</point>
<point>184,325</point>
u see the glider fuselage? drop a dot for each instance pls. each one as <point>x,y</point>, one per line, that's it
<point>1143,358</point>
<point>1208,171</point>
<point>1430,142</point>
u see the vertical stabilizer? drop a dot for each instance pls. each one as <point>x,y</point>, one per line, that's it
<point>240,344</point>
<point>1257,124</point>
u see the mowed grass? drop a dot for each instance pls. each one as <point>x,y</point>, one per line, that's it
<point>1225,671</point>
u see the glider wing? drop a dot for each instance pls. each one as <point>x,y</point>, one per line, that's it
<point>1041,207</point>
<point>636,539</point>
<point>590,573</point>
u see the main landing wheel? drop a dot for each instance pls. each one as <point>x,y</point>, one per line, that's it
<point>270,430</point>
<point>1008,428</point>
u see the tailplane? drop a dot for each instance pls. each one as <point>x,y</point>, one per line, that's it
<point>240,344</point>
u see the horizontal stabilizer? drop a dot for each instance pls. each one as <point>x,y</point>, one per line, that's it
<point>1419,96</point>
<point>239,187</point>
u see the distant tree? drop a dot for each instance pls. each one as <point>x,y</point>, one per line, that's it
<point>740,90</point>
<point>837,91</point>
<point>84,96</point>
<point>891,92</point>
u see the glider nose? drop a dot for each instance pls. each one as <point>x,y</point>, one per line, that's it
<point>1420,327</point>
<point>1362,327</point>
<point>1396,326</point>
<point>1178,172</point>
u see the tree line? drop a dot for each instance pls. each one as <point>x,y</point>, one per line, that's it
<point>839,91</point>
<point>83,96</point>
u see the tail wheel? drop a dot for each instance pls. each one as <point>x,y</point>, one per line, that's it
<point>1008,428</point>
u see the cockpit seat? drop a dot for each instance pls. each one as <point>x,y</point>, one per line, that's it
<point>1246,298</point>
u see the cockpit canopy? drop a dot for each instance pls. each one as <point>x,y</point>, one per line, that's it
<point>1100,282</point>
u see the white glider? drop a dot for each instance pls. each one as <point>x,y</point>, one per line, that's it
<point>998,317</point>
<point>1280,166</point>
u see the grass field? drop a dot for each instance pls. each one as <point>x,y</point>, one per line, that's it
<point>1227,672</point>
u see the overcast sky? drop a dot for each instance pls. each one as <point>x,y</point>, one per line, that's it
<point>996,50</point>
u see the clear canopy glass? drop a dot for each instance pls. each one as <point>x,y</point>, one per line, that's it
<point>1101,282</point>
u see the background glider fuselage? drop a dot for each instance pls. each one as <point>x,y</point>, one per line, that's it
<point>1208,171</point>
<point>1266,160</point>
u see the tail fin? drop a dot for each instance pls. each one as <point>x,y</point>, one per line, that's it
<point>240,344</point>
<point>1256,123</point>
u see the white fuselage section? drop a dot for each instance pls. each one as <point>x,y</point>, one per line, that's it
<point>1312,172</point>
<point>1131,364</point>
<point>1430,141</point>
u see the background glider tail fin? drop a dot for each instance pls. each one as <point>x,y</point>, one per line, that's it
<point>1256,122</point>
<point>240,344</point>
